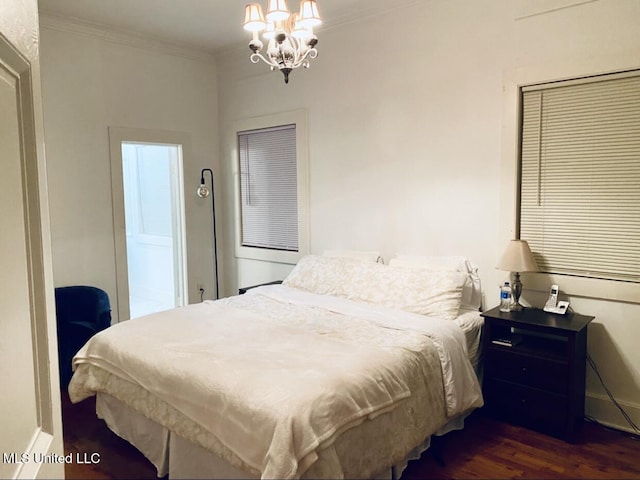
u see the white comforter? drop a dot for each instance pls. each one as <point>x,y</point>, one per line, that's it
<point>274,393</point>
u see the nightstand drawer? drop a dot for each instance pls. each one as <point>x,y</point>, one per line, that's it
<point>543,373</point>
<point>543,411</point>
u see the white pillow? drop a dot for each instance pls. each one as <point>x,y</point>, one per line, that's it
<point>374,257</point>
<point>426,292</point>
<point>323,275</point>
<point>472,290</point>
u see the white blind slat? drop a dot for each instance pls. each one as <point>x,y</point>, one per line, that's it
<point>268,188</point>
<point>580,176</point>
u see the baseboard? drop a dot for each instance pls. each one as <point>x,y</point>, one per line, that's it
<point>601,408</point>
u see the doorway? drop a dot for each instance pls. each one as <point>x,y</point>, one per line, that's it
<point>152,196</point>
<point>147,170</point>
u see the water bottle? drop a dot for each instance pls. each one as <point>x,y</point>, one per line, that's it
<point>505,297</point>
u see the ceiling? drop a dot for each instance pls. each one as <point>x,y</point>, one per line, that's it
<point>208,25</point>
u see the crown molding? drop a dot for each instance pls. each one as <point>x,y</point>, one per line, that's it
<point>78,26</point>
<point>371,12</point>
<point>524,10</point>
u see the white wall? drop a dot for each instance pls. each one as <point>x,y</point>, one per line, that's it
<point>92,81</point>
<point>407,120</point>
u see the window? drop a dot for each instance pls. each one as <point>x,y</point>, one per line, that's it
<point>268,188</point>
<point>580,176</point>
<point>272,188</point>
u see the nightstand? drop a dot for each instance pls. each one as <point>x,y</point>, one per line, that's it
<point>538,381</point>
<point>243,290</point>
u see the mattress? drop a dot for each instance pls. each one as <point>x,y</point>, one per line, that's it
<point>160,427</point>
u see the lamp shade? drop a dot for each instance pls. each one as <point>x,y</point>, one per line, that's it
<point>309,16</point>
<point>253,19</point>
<point>277,11</point>
<point>517,258</point>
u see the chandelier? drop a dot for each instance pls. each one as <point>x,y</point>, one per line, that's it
<point>291,39</point>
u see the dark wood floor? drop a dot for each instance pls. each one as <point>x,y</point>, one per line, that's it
<point>85,435</point>
<point>484,449</point>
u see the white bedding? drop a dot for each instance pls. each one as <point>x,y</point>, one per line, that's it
<point>461,394</point>
<point>356,363</point>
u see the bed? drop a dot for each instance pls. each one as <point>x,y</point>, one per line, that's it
<point>345,370</point>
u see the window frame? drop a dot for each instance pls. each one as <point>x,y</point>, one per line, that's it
<point>513,81</point>
<point>299,119</point>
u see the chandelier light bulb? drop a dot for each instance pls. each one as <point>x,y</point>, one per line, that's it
<point>270,31</point>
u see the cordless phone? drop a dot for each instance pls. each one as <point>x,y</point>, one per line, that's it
<point>552,305</point>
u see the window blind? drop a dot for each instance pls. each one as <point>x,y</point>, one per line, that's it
<point>580,176</point>
<point>268,188</point>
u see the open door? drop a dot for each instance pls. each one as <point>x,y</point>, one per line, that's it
<point>30,418</point>
<point>155,227</point>
<point>148,220</point>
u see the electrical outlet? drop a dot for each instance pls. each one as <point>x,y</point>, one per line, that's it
<point>200,287</point>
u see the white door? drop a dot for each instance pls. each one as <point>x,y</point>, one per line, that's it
<point>149,225</point>
<point>30,420</point>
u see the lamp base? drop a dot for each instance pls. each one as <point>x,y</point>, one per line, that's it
<point>517,307</point>
<point>517,291</point>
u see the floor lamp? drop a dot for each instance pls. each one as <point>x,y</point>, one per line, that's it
<point>203,192</point>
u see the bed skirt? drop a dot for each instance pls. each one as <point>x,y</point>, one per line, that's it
<point>181,459</point>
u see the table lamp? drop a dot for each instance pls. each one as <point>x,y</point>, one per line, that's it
<point>517,258</point>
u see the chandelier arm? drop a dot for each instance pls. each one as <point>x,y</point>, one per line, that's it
<point>295,43</point>
<point>256,57</point>
<point>304,59</point>
<point>300,60</point>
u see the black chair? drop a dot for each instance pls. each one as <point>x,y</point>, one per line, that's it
<point>81,312</point>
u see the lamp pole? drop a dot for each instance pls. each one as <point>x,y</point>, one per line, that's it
<point>204,192</point>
